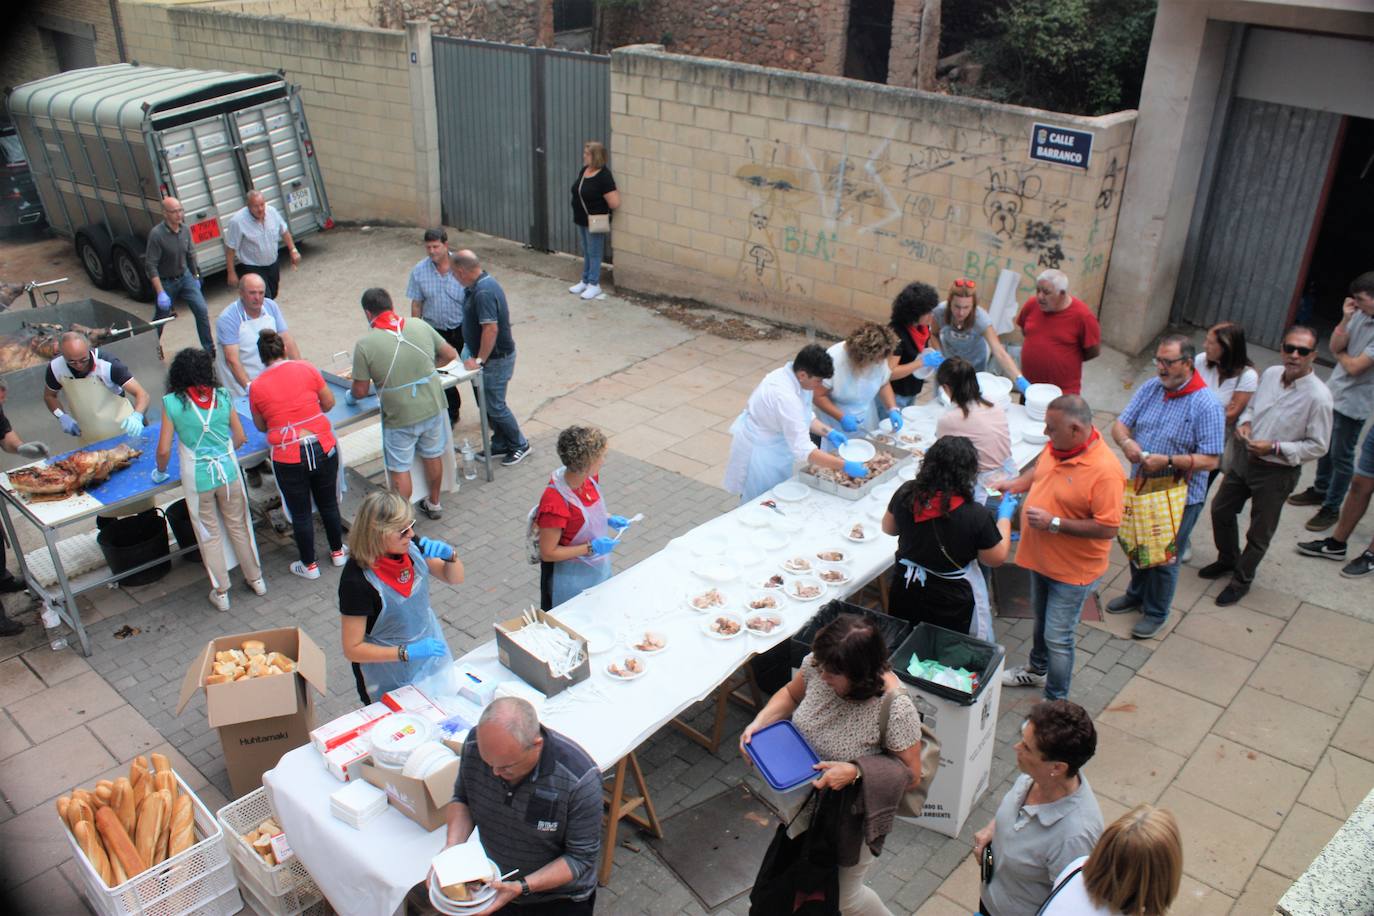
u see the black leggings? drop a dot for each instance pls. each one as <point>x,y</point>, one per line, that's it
<point>298,484</point>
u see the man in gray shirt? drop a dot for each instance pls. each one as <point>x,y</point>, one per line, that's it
<point>171,263</point>
<point>536,796</point>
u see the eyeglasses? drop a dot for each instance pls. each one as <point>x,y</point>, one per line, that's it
<point>964,283</point>
<point>1164,363</point>
<point>407,531</point>
<point>83,361</point>
<point>1301,351</point>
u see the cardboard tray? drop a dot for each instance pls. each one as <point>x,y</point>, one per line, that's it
<point>532,670</point>
<point>806,475</point>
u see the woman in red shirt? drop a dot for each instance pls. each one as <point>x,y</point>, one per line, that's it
<point>574,545</point>
<point>289,400</point>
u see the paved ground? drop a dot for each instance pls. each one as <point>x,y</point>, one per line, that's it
<point>1252,723</point>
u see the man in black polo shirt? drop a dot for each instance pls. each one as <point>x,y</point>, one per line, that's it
<point>537,798</point>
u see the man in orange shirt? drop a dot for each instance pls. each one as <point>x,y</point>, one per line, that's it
<point>1072,511</point>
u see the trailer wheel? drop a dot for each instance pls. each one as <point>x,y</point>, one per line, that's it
<point>128,267</point>
<point>94,251</point>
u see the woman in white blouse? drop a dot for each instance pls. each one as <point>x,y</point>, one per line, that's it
<point>1230,377</point>
<point>1135,869</point>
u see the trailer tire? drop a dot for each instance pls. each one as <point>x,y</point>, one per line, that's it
<point>128,268</point>
<point>93,250</point>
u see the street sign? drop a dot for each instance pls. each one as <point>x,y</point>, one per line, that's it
<point>1061,145</point>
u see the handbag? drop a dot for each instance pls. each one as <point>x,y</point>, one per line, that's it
<point>597,223</point>
<point>1150,515</point>
<point>914,798</point>
<point>799,875</point>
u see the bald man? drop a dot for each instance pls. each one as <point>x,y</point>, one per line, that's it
<point>172,269</point>
<point>252,237</point>
<point>98,390</point>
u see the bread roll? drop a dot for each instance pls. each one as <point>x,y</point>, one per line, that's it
<point>182,835</point>
<point>253,647</point>
<point>118,845</point>
<point>219,678</point>
<point>225,656</point>
<point>149,827</point>
<point>164,826</point>
<point>125,803</point>
<point>257,669</point>
<point>269,827</point>
<point>89,840</point>
<point>263,847</point>
<point>229,668</point>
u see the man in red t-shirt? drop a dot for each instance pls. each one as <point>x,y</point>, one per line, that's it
<point>1061,334</point>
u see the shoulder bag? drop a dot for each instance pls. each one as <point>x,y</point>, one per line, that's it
<point>597,223</point>
<point>800,876</point>
<point>914,798</point>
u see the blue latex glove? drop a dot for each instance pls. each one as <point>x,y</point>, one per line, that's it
<point>850,422</point>
<point>69,425</point>
<point>426,648</point>
<point>836,438</point>
<point>133,424</point>
<point>603,545</point>
<point>618,522</point>
<point>855,469</point>
<point>895,416</point>
<point>349,399</point>
<point>159,476</point>
<point>436,550</point>
<point>932,359</point>
<point>164,301</point>
<point>1021,384</point>
<point>1007,510</point>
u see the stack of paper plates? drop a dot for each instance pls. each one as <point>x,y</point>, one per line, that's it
<point>357,803</point>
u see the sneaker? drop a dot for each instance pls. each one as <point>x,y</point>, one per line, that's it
<point>1123,604</point>
<point>1308,497</point>
<point>1330,548</point>
<point>10,585</point>
<point>10,627</point>
<point>1362,565</point>
<point>482,455</point>
<point>339,557</point>
<point>577,287</point>
<point>591,292</point>
<point>1022,676</point>
<point>516,456</point>
<point>305,572</point>
<point>1147,627</point>
<point>1231,594</point>
<point>1215,570</point>
<point>259,586</point>
<point>433,510</point>
<point>220,600</point>
<point>1324,519</point>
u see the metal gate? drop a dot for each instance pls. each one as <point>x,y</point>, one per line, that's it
<point>1260,214</point>
<point>512,121</point>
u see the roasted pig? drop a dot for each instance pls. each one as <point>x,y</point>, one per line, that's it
<point>72,474</point>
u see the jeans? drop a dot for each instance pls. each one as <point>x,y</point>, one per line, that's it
<point>187,288</point>
<point>1057,607</point>
<point>1266,486</point>
<point>298,485</point>
<point>1335,468</point>
<point>505,432</point>
<point>1154,587</point>
<point>593,248</point>
<point>454,336</point>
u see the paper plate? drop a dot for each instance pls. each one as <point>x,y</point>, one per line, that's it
<point>756,516</point>
<point>798,565</point>
<point>638,644</point>
<point>761,598</point>
<point>771,540</point>
<point>833,555</point>
<point>859,450</point>
<point>708,626</point>
<point>911,412</point>
<point>717,572</point>
<point>834,574</point>
<point>599,639</point>
<point>792,491</point>
<point>623,661</point>
<point>692,597</point>
<point>866,527</point>
<point>762,632</point>
<point>908,472</point>
<point>805,582</point>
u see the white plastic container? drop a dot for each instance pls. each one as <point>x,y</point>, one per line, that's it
<point>242,816</point>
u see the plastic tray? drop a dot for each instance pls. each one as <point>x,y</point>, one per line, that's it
<point>240,817</point>
<point>782,755</point>
<point>928,641</point>
<point>870,483</point>
<point>894,629</point>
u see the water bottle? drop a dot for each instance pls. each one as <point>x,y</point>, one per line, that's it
<point>469,461</point>
<point>52,626</point>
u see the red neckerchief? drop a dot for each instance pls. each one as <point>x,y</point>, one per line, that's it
<point>919,334</point>
<point>203,396</point>
<point>389,321</point>
<point>931,508</point>
<point>1065,454</point>
<point>397,572</point>
<point>1196,383</point>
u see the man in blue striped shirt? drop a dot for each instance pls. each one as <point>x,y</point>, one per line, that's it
<point>1171,426</point>
<point>436,296</point>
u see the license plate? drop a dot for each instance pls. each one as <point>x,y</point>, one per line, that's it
<point>298,200</point>
<point>205,230</point>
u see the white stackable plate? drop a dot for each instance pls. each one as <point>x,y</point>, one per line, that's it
<point>706,625</point>
<point>791,491</point>
<point>804,580</point>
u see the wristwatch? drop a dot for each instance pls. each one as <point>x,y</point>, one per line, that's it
<point>1144,456</point>
<point>524,888</point>
<point>1054,525</point>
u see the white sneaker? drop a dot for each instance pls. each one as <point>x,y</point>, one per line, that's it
<point>340,558</point>
<point>306,572</point>
<point>259,586</point>
<point>577,288</point>
<point>591,292</point>
<point>220,600</point>
<point>1022,676</point>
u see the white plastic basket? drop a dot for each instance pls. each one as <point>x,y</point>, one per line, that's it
<point>199,880</point>
<point>297,902</point>
<point>242,816</point>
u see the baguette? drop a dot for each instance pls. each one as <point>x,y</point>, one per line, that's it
<point>182,834</point>
<point>89,839</point>
<point>142,789</point>
<point>117,870</point>
<point>125,804</point>
<point>160,763</point>
<point>63,802</point>
<point>149,825</point>
<point>164,824</point>
<point>103,795</point>
<point>118,845</point>
<point>163,779</point>
<point>79,811</point>
<point>85,796</point>
<point>138,770</point>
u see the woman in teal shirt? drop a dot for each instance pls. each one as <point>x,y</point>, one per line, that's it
<point>208,431</point>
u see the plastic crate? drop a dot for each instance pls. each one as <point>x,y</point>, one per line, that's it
<point>947,647</point>
<point>282,906</point>
<point>242,816</point>
<point>894,629</point>
<point>198,880</point>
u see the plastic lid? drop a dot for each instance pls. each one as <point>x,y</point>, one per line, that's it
<point>782,755</point>
<point>394,738</point>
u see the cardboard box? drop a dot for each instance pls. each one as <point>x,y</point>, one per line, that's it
<point>345,762</point>
<point>532,670</point>
<point>347,727</point>
<point>259,719</point>
<point>421,800</point>
<point>412,699</point>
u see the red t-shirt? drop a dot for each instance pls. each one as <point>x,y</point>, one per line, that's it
<point>557,512</point>
<point>287,393</point>
<point>1055,341</point>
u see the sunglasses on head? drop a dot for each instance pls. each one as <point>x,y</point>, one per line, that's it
<point>1300,351</point>
<point>963,283</point>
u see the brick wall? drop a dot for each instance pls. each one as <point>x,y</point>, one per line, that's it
<point>355,84</point>
<point>339,12</point>
<point>27,51</point>
<point>813,200</point>
<point>522,22</point>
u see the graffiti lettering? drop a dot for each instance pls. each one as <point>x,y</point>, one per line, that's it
<point>925,161</point>
<point>1092,263</point>
<point>924,206</point>
<point>1106,192</point>
<point>802,242</point>
<point>931,254</point>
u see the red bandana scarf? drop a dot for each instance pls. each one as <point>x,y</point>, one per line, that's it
<point>1064,454</point>
<point>397,572</point>
<point>203,396</point>
<point>919,334</point>
<point>931,508</point>
<point>389,321</point>
<point>1196,383</point>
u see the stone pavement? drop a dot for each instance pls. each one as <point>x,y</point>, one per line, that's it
<point>1252,723</point>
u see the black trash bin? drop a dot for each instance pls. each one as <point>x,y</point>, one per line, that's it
<point>957,650</point>
<point>894,629</point>
<point>132,541</point>
<point>179,520</point>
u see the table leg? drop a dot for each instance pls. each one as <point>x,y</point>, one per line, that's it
<point>624,807</point>
<point>482,418</point>
<point>73,613</point>
<point>723,695</point>
<point>13,538</point>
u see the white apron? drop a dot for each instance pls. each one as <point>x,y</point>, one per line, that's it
<point>209,450</point>
<point>572,577</point>
<point>96,409</point>
<point>249,329</point>
<point>293,435</point>
<point>855,394</point>
<point>759,461</point>
<point>980,626</point>
<point>449,482</point>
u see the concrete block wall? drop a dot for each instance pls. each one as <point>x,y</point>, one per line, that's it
<point>28,50</point>
<point>339,12</point>
<point>355,84</point>
<point>813,200</point>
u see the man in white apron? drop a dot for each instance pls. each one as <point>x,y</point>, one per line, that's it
<point>94,388</point>
<point>774,430</point>
<point>399,356</point>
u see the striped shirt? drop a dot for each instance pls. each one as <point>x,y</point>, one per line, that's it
<point>555,811</point>
<point>441,295</point>
<point>1192,424</point>
<point>255,243</point>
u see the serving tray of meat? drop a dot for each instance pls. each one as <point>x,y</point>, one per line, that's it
<point>882,467</point>
<point>71,475</point>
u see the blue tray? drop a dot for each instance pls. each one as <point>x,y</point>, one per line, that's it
<point>782,756</point>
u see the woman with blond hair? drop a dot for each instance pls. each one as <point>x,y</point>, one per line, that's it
<point>1134,870</point>
<point>862,380</point>
<point>390,632</point>
<point>594,196</point>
